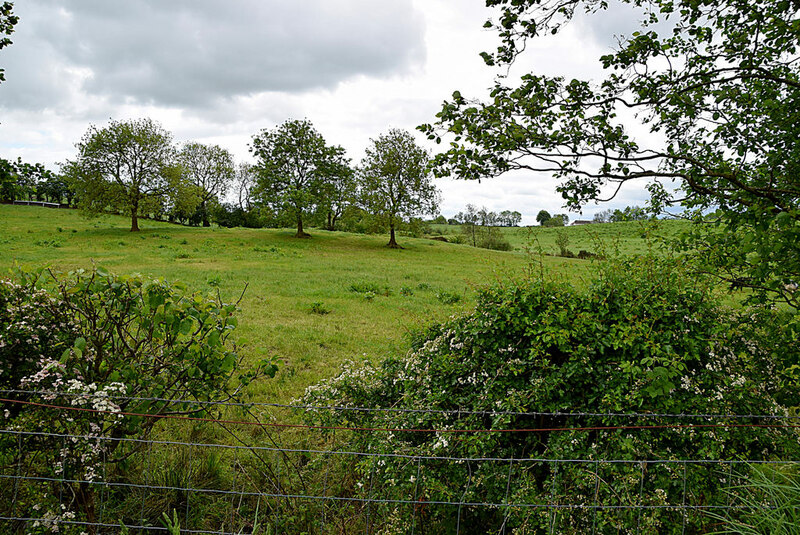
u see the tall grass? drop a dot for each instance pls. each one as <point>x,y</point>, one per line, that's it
<point>768,502</point>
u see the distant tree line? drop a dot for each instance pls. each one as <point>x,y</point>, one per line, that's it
<point>135,168</point>
<point>474,216</point>
<point>629,213</point>
<point>21,181</point>
<point>546,220</point>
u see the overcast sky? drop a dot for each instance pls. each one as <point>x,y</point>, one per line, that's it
<point>219,72</point>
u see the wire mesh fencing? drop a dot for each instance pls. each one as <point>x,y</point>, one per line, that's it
<point>232,468</point>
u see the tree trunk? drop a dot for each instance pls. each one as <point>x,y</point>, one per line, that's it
<point>300,232</point>
<point>134,218</point>
<point>392,242</point>
<point>206,223</point>
<point>330,221</point>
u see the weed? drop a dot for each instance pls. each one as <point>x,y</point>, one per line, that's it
<point>214,282</point>
<point>182,255</point>
<point>184,241</point>
<point>423,286</point>
<point>318,308</point>
<point>365,288</point>
<point>272,249</point>
<point>49,243</point>
<point>406,291</point>
<point>448,298</point>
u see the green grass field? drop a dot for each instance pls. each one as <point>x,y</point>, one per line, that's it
<point>627,238</point>
<point>372,295</point>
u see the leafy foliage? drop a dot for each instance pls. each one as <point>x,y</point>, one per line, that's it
<point>7,22</point>
<point>101,340</point>
<point>719,84</point>
<point>395,180</point>
<point>211,170</point>
<point>128,165</point>
<point>294,165</point>
<point>646,338</point>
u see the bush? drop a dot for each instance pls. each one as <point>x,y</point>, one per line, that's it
<point>95,340</point>
<point>448,298</point>
<point>645,338</point>
<point>415,227</point>
<point>484,237</point>
<point>229,215</point>
<point>492,238</point>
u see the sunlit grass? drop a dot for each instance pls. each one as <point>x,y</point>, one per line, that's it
<point>280,279</point>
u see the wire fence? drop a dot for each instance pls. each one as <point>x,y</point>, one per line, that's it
<point>70,468</point>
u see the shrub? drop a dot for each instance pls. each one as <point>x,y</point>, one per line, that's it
<point>562,241</point>
<point>94,340</point>
<point>645,338</point>
<point>492,238</point>
<point>448,298</point>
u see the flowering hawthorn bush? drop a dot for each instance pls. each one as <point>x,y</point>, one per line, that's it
<point>94,340</point>
<point>645,338</point>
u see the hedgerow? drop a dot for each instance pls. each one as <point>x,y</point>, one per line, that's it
<point>646,337</point>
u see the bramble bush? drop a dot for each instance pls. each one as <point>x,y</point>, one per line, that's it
<point>94,340</point>
<point>646,337</point>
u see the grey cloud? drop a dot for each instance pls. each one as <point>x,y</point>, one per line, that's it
<point>618,21</point>
<point>198,52</point>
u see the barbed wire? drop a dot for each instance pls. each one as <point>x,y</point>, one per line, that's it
<point>531,460</point>
<point>401,429</point>
<point>457,412</point>
<point>382,493</point>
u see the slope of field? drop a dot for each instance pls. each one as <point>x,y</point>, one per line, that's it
<point>311,304</point>
<point>626,238</point>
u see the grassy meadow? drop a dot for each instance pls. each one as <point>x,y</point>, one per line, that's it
<point>310,304</point>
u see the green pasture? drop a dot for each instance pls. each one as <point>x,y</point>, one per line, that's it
<point>311,304</point>
<point>626,238</point>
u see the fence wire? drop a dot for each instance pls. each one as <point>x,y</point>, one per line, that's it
<point>228,478</point>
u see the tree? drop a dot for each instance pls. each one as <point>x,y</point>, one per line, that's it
<point>395,180</point>
<point>211,169</point>
<point>128,165</point>
<point>543,216</point>
<point>603,216</point>
<point>630,213</point>
<point>717,82</point>
<point>245,182</point>
<point>294,163</point>
<point>8,180</point>
<point>558,220</point>
<point>339,191</point>
<point>469,218</point>
<point>7,22</point>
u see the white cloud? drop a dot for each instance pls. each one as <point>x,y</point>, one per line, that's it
<point>219,72</point>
